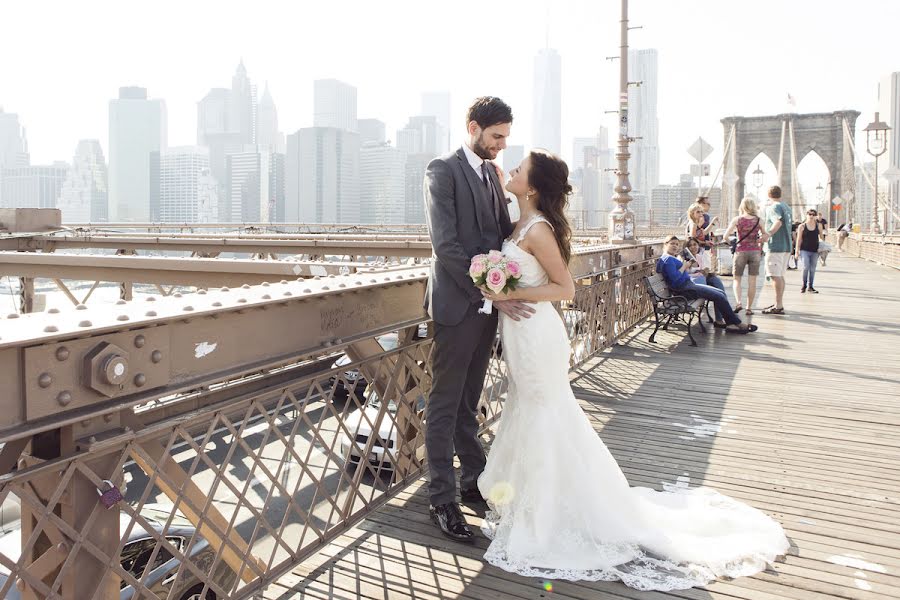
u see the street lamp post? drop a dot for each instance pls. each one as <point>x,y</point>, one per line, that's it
<point>820,194</point>
<point>876,145</point>
<point>757,179</point>
<point>621,219</point>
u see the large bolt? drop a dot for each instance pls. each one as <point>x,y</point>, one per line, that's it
<point>114,369</point>
<point>156,356</point>
<point>139,341</point>
<point>62,353</point>
<point>45,380</point>
<point>64,398</point>
<point>140,380</point>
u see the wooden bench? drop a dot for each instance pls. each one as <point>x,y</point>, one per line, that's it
<point>668,307</point>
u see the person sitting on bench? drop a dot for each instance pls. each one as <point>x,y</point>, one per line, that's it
<point>676,275</point>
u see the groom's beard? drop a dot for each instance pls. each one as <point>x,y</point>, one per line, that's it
<point>481,150</point>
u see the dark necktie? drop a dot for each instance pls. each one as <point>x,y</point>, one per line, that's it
<point>495,200</point>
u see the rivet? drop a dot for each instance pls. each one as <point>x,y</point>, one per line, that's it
<point>373,281</point>
<point>288,294</point>
<point>150,313</point>
<point>317,277</point>
<point>188,308</point>
<point>80,307</point>
<point>53,311</point>
<point>139,341</point>
<point>86,423</point>
<point>20,585</point>
<point>242,300</point>
<point>45,379</point>
<point>62,353</point>
<point>140,379</point>
<point>283,282</point>
<point>84,323</point>
<point>246,286</point>
<point>265,284</point>
<point>266,297</point>
<point>325,287</point>
<point>51,329</point>
<point>176,295</point>
<point>13,316</point>
<point>151,298</point>
<point>120,302</point>
<point>122,318</point>
<point>108,418</point>
<point>64,398</point>
<point>63,547</point>
<point>342,285</point>
<point>224,289</point>
<point>201,292</point>
<point>357,282</point>
<point>156,356</point>
<point>307,291</point>
<point>217,304</point>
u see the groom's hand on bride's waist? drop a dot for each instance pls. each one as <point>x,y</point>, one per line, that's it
<point>515,309</point>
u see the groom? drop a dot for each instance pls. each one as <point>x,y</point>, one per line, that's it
<point>465,208</point>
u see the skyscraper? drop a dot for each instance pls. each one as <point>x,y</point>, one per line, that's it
<point>33,186</point>
<point>382,178</point>
<point>419,141</point>
<point>13,145</point>
<point>85,194</point>
<point>643,124</point>
<point>334,104</point>
<point>268,136</point>
<point>242,106</point>
<point>372,130</point>
<point>137,127</point>
<point>255,186</point>
<point>547,130</point>
<point>322,176</point>
<point>184,190</point>
<point>213,114</point>
<point>437,105</point>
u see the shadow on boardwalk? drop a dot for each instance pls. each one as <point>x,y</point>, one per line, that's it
<point>800,420</point>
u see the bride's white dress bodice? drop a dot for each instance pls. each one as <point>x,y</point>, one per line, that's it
<point>561,508</point>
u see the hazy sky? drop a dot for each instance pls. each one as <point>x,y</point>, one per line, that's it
<point>63,61</point>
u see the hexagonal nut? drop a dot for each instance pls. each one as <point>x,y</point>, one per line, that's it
<point>106,368</point>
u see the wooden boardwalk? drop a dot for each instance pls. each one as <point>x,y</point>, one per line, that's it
<point>801,420</point>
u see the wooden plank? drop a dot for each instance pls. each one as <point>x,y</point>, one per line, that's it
<point>800,419</point>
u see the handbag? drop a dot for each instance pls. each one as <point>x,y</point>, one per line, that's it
<point>736,241</point>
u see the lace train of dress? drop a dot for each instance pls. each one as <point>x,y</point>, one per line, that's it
<point>561,507</point>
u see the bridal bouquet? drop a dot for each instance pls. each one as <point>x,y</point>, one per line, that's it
<point>496,273</point>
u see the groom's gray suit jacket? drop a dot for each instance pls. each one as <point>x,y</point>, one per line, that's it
<point>460,214</point>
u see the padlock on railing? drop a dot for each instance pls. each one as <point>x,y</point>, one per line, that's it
<point>110,497</point>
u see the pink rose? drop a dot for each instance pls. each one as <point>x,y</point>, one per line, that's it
<point>477,269</point>
<point>495,280</point>
<point>495,256</point>
<point>513,269</point>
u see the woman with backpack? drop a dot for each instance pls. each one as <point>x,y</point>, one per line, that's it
<point>747,250</point>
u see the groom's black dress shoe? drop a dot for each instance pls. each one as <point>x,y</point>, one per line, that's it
<point>472,495</point>
<point>452,523</point>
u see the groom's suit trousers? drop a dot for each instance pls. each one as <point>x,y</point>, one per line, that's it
<point>460,357</point>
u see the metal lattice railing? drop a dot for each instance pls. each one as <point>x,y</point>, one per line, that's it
<point>225,487</point>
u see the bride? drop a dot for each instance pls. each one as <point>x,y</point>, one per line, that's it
<point>560,506</point>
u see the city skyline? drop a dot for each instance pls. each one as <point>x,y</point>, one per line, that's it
<point>753,78</point>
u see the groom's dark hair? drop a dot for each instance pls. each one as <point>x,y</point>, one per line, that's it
<point>489,110</point>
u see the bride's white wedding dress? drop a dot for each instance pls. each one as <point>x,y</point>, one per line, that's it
<point>561,507</point>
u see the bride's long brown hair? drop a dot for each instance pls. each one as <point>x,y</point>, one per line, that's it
<point>549,176</point>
